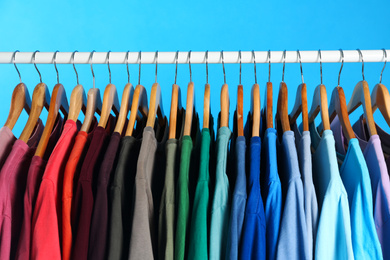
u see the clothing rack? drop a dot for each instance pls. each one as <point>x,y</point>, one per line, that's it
<point>195,57</point>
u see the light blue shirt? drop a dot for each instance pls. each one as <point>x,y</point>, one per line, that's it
<point>334,227</point>
<point>292,243</point>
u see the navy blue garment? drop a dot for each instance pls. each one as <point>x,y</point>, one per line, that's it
<point>253,241</point>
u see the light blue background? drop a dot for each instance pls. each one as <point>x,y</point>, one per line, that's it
<point>198,26</point>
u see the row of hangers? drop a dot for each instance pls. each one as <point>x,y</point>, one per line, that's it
<point>135,100</point>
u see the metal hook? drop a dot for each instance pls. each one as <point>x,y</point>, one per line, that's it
<point>139,68</point>
<point>35,65</point>
<point>90,62</point>
<point>74,67</point>
<point>385,54</point>
<point>223,67</point>
<point>207,67</point>
<point>13,61</point>
<point>189,64</point>
<point>269,65</point>
<point>284,64</point>
<point>254,65</point>
<point>55,66</point>
<point>342,64</point>
<point>319,54</point>
<point>361,56</point>
<point>108,64</point>
<point>156,58</point>
<point>300,64</point>
<point>127,66</point>
<point>176,59</point>
<point>239,57</point>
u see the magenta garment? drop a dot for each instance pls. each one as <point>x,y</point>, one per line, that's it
<point>13,177</point>
<point>7,139</point>
<point>34,177</point>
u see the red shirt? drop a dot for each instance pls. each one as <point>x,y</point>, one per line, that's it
<point>46,221</point>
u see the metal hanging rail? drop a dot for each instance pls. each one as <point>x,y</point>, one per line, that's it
<point>196,57</point>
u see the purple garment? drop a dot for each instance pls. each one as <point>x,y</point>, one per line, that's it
<point>13,177</point>
<point>380,183</point>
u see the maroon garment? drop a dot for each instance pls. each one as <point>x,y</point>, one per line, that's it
<point>84,199</point>
<point>98,232</point>
<point>34,177</point>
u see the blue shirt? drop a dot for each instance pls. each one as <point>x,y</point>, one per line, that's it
<point>334,228</point>
<point>253,235</point>
<point>357,183</point>
<point>238,201</point>
<point>271,191</point>
<point>292,243</point>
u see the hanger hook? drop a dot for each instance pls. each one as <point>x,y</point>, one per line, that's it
<point>319,54</point>
<point>74,67</point>
<point>342,64</point>
<point>127,66</point>
<point>384,65</point>
<point>361,56</point>
<point>90,62</point>
<point>300,64</point>
<point>55,66</point>
<point>254,65</point>
<point>176,61</point>
<point>284,64</point>
<point>35,65</point>
<point>269,65</point>
<point>239,58</point>
<point>223,68</point>
<point>108,64</point>
<point>189,64</point>
<point>139,68</point>
<point>20,77</point>
<point>207,67</point>
<point>156,59</point>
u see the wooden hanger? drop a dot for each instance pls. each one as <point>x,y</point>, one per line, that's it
<point>225,101</point>
<point>58,101</point>
<point>127,98</point>
<point>255,109</point>
<point>77,103</point>
<point>20,100</point>
<point>206,106</point>
<point>282,106</point>
<point>240,105</point>
<point>139,104</point>
<point>175,110</point>
<point>268,104</point>
<point>190,108</point>
<point>380,97</point>
<point>94,104</point>
<point>320,104</point>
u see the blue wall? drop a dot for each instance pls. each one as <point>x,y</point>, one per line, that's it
<point>200,25</point>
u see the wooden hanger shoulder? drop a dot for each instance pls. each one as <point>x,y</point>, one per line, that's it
<point>361,96</point>
<point>175,106</point>
<point>380,98</point>
<point>206,106</point>
<point>139,103</point>
<point>240,110</point>
<point>268,105</point>
<point>225,104</point>
<point>94,104</point>
<point>255,110</point>
<point>77,102</point>
<point>40,99</point>
<point>300,107</point>
<point>320,104</point>
<point>282,107</point>
<point>20,100</point>
<point>110,103</point>
<point>189,109</point>
<point>155,105</point>
<point>127,98</point>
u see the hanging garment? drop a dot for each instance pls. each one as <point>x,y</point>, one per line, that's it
<point>380,183</point>
<point>334,220</point>
<point>303,143</point>
<point>121,191</point>
<point>99,222</point>
<point>46,231</point>
<point>34,177</point>
<point>198,241</point>
<point>7,139</point>
<point>357,183</point>
<point>150,173</point>
<point>292,241</point>
<point>13,178</point>
<point>84,198</point>
<point>385,142</point>
<point>271,191</point>
<point>71,176</point>
<point>166,218</point>
<point>253,244</point>
<point>186,183</point>
<point>220,209</point>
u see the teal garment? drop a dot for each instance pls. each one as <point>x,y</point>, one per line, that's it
<point>221,202</point>
<point>357,183</point>
<point>333,239</point>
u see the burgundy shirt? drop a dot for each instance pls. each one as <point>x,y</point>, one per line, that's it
<point>84,199</point>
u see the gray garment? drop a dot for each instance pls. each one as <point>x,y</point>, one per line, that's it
<point>146,197</point>
<point>303,143</point>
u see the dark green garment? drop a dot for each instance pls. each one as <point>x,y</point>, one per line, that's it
<point>186,183</point>
<point>198,241</point>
